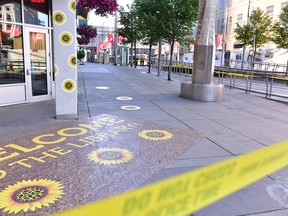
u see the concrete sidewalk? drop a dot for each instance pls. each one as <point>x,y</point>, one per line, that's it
<point>240,124</point>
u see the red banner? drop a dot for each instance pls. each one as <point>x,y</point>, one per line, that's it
<point>120,39</point>
<point>219,41</point>
<point>110,40</point>
<point>101,46</point>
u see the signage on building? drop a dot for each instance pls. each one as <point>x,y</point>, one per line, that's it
<point>38,1</point>
<point>237,45</point>
<point>219,41</point>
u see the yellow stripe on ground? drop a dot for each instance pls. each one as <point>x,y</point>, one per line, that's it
<point>236,74</point>
<point>192,191</point>
<point>280,78</point>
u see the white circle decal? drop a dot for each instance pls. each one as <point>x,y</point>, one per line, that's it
<point>130,107</point>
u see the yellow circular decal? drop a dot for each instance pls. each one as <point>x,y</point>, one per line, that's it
<point>72,60</point>
<point>155,135</point>
<point>68,85</point>
<point>66,38</point>
<point>72,6</point>
<point>59,17</point>
<point>56,70</point>
<point>108,156</point>
<point>29,195</point>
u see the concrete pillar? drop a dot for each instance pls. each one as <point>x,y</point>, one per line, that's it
<point>201,87</point>
<point>65,42</point>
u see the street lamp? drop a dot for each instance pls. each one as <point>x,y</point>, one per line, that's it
<point>103,41</point>
<point>115,38</point>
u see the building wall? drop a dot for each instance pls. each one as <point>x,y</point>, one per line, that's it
<point>230,12</point>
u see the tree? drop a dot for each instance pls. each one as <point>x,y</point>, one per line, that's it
<point>147,23</point>
<point>129,31</point>
<point>255,33</point>
<point>260,24</point>
<point>183,15</point>
<point>80,55</point>
<point>243,35</point>
<point>171,20</point>
<point>280,30</point>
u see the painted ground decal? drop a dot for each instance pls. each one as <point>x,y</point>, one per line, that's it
<point>108,156</point>
<point>29,195</point>
<point>82,161</point>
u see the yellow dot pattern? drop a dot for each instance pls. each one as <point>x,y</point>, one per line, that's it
<point>66,38</point>
<point>72,6</point>
<point>73,60</point>
<point>59,17</point>
<point>56,70</point>
<point>68,85</point>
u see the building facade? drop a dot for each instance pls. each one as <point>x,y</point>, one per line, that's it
<point>231,12</point>
<point>38,53</point>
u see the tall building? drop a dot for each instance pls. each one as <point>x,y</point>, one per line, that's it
<point>231,12</point>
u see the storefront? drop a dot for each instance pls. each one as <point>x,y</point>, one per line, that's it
<point>37,53</point>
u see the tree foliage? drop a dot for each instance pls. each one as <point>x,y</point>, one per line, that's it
<point>172,20</point>
<point>130,29</point>
<point>256,32</point>
<point>80,54</point>
<point>280,30</point>
<point>244,34</point>
<point>260,24</point>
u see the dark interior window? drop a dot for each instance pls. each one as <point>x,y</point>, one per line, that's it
<point>36,12</point>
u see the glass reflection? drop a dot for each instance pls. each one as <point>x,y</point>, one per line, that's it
<point>11,54</point>
<point>36,12</point>
<point>38,63</point>
<point>10,10</point>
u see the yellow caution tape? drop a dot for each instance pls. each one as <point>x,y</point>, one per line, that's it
<point>191,191</point>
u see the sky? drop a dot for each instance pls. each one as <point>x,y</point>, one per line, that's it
<point>109,22</point>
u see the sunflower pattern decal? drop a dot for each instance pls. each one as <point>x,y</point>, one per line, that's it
<point>72,61</point>
<point>66,38</point>
<point>108,156</point>
<point>68,85</point>
<point>72,6</point>
<point>155,135</point>
<point>59,17</point>
<point>56,70</point>
<point>29,195</point>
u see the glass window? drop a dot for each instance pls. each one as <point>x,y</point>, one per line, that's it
<point>230,25</point>
<point>11,54</point>
<point>218,26</point>
<point>222,26</point>
<point>8,17</point>
<point>284,4</point>
<point>11,9</point>
<point>36,12</point>
<point>239,19</point>
<point>269,10</point>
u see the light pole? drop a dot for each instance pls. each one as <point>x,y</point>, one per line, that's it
<point>115,38</point>
<point>224,35</point>
<point>103,42</point>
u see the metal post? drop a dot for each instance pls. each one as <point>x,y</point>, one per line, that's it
<point>115,39</point>
<point>224,34</point>
<point>159,55</point>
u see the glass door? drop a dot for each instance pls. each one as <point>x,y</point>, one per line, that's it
<point>37,64</point>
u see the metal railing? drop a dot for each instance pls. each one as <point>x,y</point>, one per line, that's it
<point>267,66</point>
<point>271,83</point>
